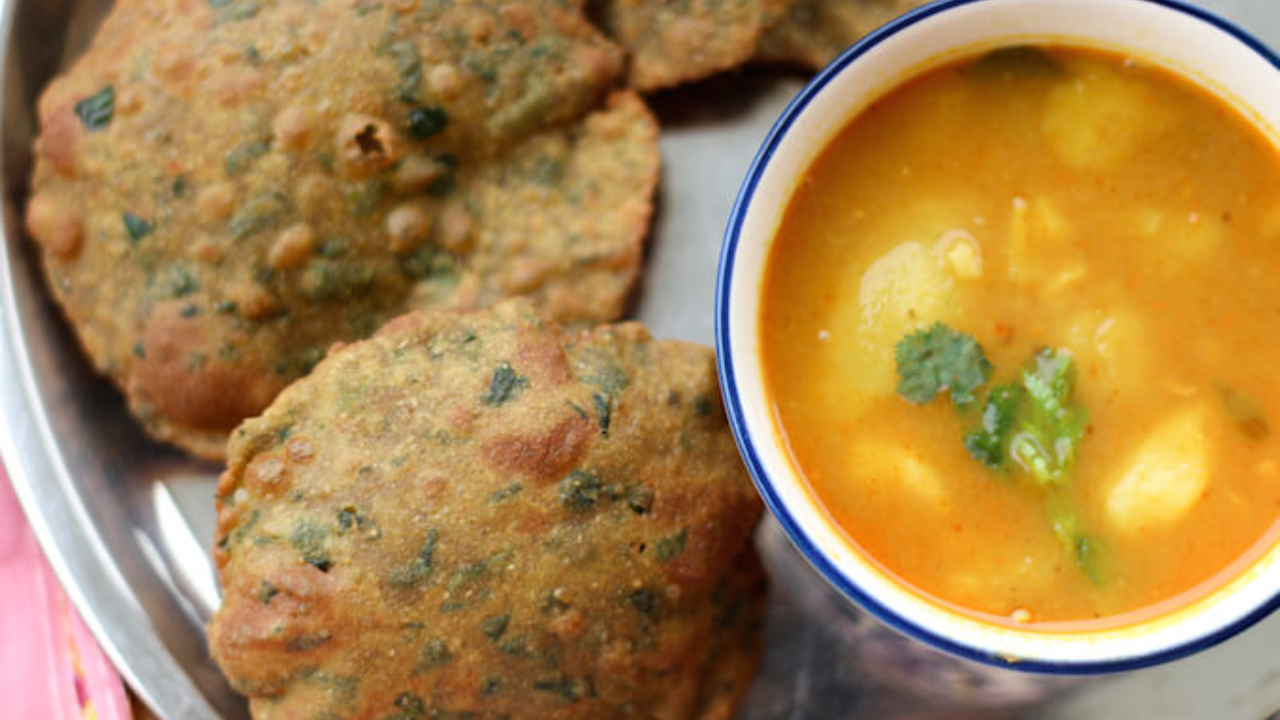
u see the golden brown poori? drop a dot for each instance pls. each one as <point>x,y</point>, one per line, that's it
<point>480,515</point>
<point>223,188</point>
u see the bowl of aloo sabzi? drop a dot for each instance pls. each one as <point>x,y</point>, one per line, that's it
<point>992,317</point>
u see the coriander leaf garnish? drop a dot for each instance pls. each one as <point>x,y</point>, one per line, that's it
<point>95,112</point>
<point>987,443</point>
<point>1049,433</point>
<point>1032,421</point>
<point>1083,550</point>
<point>940,358</point>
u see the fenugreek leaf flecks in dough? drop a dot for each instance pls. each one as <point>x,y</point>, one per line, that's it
<point>431,524</point>
<point>223,189</point>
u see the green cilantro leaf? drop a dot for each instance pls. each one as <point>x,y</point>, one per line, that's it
<point>987,444</point>
<point>1049,433</point>
<point>1082,549</point>
<point>940,358</point>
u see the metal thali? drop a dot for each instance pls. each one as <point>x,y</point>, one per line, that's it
<point>128,524</point>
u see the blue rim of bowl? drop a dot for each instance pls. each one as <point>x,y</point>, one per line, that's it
<point>733,405</point>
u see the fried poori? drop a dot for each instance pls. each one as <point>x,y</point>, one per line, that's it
<point>813,32</point>
<point>477,515</point>
<point>223,189</point>
<point>672,42</point>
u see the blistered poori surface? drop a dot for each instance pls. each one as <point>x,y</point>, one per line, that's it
<point>223,189</point>
<point>473,513</point>
<point>813,32</point>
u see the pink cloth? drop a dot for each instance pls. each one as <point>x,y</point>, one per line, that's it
<point>50,666</point>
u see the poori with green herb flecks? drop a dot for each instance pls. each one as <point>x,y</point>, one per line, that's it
<point>478,515</point>
<point>813,32</point>
<point>223,189</point>
<point>672,42</point>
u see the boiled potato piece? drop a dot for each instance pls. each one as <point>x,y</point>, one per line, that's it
<point>1034,223</point>
<point>1095,118</point>
<point>1183,236</point>
<point>1065,278</point>
<point>1112,342</point>
<point>908,280</point>
<point>962,254</point>
<point>1165,476</point>
<point>1048,220</point>
<point>906,288</point>
<point>894,467</point>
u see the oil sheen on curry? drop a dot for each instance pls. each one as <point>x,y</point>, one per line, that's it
<point>1019,331</point>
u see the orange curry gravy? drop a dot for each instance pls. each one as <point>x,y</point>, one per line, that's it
<point>1040,197</point>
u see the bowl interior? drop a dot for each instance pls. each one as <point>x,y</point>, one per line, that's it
<point>1198,46</point>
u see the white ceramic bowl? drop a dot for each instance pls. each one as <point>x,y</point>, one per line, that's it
<point>1197,45</point>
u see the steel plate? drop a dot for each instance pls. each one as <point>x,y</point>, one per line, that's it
<point>128,524</point>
